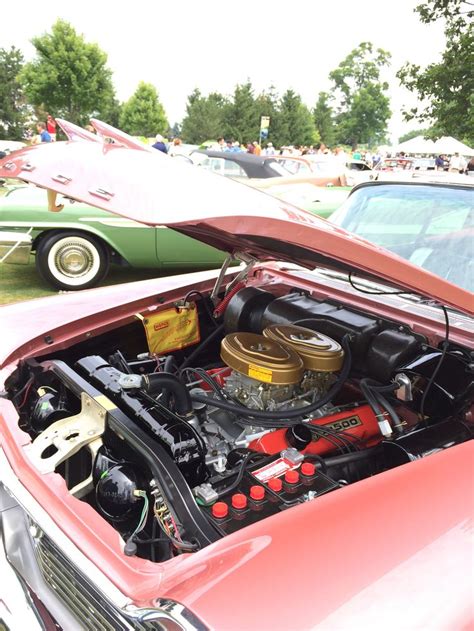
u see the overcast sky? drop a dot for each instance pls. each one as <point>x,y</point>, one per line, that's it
<point>213,44</point>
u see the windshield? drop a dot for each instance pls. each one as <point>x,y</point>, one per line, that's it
<point>431,226</point>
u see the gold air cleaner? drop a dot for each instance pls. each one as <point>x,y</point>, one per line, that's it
<point>319,352</point>
<point>262,358</point>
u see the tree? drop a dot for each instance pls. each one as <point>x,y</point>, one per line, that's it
<point>447,87</point>
<point>110,112</point>
<point>366,119</point>
<point>414,134</point>
<point>363,110</point>
<point>143,114</point>
<point>174,131</point>
<point>241,119</point>
<point>69,76</point>
<point>12,106</point>
<point>204,118</point>
<point>323,116</point>
<point>297,124</point>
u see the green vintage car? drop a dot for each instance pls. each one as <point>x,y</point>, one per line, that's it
<point>75,247</point>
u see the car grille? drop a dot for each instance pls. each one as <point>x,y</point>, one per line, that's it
<point>92,611</point>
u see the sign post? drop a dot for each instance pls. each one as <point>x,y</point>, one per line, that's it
<point>264,126</point>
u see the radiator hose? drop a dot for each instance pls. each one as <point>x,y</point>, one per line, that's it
<point>155,382</point>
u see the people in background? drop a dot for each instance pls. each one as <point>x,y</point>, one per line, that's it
<point>257,149</point>
<point>269,149</point>
<point>159,144</point>
<point>440,163</point>
<point>43,134</point>
<point>51,127</point>
<point>457,164</point>
<point>176,148</point>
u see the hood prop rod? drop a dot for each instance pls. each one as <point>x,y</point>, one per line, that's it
<point>238,256</point>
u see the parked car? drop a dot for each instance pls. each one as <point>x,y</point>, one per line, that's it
<point>246,165</point>
<point>293,179</point>
<point>359,171</point>
<point>430,224</point>
<point>271,447</point>
<point>74,248</point>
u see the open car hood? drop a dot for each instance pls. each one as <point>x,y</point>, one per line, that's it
<point>125,177</point>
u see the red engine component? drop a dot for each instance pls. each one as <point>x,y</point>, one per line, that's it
<point>359,422</point>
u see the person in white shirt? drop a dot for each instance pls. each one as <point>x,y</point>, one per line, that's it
<point>457,163</point>
<point>269,150</point>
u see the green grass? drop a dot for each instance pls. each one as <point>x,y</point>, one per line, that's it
<point>21,282</point>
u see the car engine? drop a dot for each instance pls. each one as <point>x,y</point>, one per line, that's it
<point>284,398</point>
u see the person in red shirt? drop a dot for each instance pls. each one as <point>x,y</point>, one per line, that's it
<point>51,127</point>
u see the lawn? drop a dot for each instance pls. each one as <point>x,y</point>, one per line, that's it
<point>21,282</point>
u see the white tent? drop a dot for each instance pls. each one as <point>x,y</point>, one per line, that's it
<point>449,146</point>
<point>417,145</point>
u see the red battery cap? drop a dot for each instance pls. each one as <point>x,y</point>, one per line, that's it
<point>292,476</point>
<point>275,484</point>
<point>257,493</point>
<point>239,501</point>
<point>220,510</point>
<point>308,468</point>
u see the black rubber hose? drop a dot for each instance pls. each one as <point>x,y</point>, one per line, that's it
<point>286,414</point>
<point>375,398</point>
<point>375,386</point>
<point>371,398</point>
<point>170,366</point>
<point>318,459</point>
<point>201,346</point>
<point>239,477</point>
<point>355,456</point>
<point>155,382</point>
<point>396,421</point>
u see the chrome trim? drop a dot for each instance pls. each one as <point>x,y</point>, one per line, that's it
<point>76,582</point>
<point>170,610</point>
<point>47,525</point>
<point>17,611</point>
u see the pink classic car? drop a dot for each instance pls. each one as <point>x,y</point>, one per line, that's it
<point>282,445</point>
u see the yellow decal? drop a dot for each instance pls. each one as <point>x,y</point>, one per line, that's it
<point>262,374</point>
<point>172,329</point>
<point>106,403</point>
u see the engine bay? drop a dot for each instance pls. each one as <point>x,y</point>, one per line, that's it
<point>189,424</point>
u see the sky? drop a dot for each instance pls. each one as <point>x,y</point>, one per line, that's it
<point>179,45</point>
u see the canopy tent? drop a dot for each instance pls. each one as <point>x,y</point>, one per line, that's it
<point>449,146</point>
<point>417,145</point>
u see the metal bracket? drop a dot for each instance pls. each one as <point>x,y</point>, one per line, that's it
<point>102,193</point>
<point>62,179</point>
<point>404,392</point>
<point>68,436</point>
